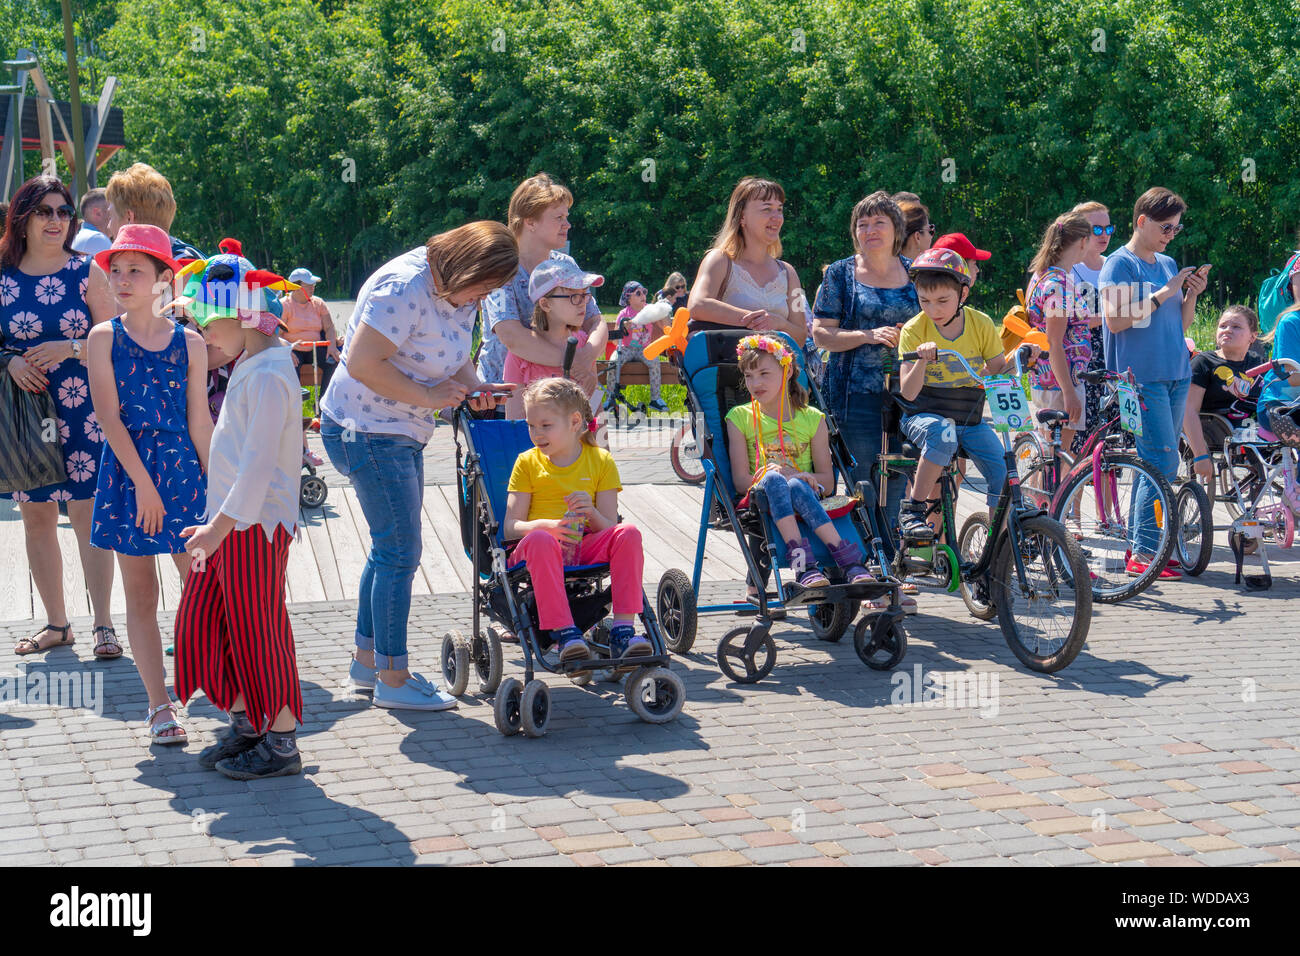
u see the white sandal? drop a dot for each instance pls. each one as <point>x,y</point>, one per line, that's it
<point>156,731</point>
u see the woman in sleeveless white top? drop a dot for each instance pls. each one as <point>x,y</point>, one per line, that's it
<point>726,294</point>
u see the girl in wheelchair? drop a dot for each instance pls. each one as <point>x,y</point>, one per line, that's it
<point>566,488</point>
<point>778,444</point>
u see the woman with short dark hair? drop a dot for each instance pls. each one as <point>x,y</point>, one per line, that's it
<point>1149,304</point>
<point>864,300</point>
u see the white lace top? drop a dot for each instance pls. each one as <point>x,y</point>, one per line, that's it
<point>744,292</point>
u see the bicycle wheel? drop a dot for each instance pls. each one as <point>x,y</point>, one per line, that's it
<point>1046,620</point>
<point>971,542</point>
<point>1096,505</point>
<point>1195,542</point>
<point>685,456</point>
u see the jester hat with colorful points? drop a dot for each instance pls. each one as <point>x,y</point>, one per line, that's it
<point>227,286</point>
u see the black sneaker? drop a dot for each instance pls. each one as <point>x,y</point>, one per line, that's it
<point>912,526</point>
<point>230,744</point>
<point>258,762</point>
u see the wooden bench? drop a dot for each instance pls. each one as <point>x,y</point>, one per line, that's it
<point>634,373</point>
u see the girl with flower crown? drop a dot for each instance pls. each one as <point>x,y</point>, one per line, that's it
<point>779,444</point>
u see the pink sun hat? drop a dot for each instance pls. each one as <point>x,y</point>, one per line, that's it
<point>137,237</point>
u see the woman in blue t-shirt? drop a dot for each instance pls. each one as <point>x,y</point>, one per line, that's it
<point>1149,304</point>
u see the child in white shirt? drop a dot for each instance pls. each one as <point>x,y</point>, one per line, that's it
<point>233,637</point>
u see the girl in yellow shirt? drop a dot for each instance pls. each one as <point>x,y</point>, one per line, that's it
<point>779,443</point>
<point>563,476</point>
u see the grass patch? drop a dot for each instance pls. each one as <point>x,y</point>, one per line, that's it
<point>674,396</point>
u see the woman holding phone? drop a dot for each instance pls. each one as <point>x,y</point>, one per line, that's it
<point>1149,304</point>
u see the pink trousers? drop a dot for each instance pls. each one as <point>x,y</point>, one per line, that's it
<point>619,546</point>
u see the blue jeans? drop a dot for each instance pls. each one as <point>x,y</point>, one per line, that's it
<point>786,496</point>
<point>980,443</point>
<point>862,426</point>
<point>1162,424</point>
<point>387,472</point>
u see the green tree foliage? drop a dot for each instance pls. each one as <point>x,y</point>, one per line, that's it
<point>1000,113</point>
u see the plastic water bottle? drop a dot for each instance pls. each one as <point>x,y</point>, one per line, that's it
<point>569,548</point>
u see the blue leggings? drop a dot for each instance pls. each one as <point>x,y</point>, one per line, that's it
<point>786,496</point>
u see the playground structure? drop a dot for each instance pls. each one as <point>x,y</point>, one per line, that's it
<point>41,122</point>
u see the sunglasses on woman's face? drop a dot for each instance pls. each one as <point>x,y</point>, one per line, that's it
<point>64,212</point>
<point>1103,230</point>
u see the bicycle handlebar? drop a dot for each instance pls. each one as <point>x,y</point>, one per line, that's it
<point>1282,367</point>
<point>915,357</point>
<point>570,347</point>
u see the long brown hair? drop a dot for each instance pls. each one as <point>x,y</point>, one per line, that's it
<point>473,254</point>
<point>730,239</point>
<point>567,398</point>
<point>13,244</point>
<point>1067,229</point>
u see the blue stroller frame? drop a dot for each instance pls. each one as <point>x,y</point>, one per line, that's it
<point>714,384</point>
<point>486,449</point>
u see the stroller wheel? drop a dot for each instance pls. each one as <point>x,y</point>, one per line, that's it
<point>743,668</point>
<point>676,607</point>
<point>535,708</point>
<point>506,709</point>
<point>312,492</point>
<point>879,654</point>
<point>487,660</point>
<point>455,663</point>
<point>830,621</point>
<point>655,694</point>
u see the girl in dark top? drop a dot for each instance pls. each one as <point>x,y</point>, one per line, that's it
<point>1219,382</point>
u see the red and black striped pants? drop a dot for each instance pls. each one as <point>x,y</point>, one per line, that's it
<point>232,630</point>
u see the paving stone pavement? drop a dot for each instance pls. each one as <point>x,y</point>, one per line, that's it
<point>1171,740</point>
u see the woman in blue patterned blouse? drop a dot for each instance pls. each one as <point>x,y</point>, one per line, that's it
<point>863,302</point>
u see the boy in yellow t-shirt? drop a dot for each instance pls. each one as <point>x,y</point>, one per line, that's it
<point>950,407</point>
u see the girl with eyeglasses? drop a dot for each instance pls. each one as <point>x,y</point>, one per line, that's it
<point>49,298</point>
<point>1149,304</point>
<point>560,291</point>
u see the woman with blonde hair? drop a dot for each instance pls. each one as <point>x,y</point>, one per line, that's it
<point>538,218</point>
<point>742,282</point>
<point>406,355</point>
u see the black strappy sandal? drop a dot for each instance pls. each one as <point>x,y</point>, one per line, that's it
<point>33,643</point>
<point>109,639</point>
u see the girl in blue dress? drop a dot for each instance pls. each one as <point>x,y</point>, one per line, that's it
<point>148,381</point>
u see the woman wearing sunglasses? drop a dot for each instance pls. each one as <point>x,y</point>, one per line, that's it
<point>49,298</point>
<point>1149,304</point>
<point>918,230</point>
<point>1087,280</point>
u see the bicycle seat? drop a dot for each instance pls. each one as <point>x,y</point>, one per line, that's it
<point>910,450</point>
<point>1095,376</point>
<point>1049,415</point>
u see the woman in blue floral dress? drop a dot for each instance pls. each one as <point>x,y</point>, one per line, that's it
<point>49,298</point>
<point>863,301</point>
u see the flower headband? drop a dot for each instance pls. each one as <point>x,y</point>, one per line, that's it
<point>766,343</point>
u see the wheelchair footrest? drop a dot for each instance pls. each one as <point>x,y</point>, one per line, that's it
<point>609,663</point>
<point>834,593</point>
